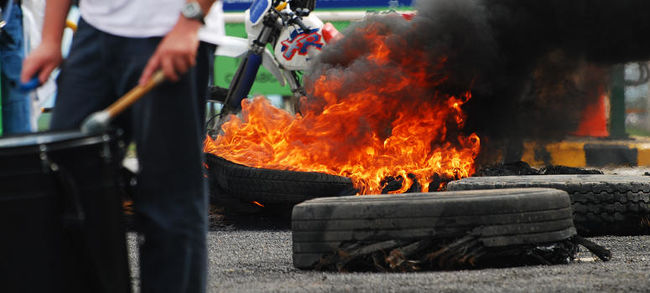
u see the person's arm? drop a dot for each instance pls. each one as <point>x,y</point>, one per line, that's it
<point>176,53</point>
<point>47,56</point>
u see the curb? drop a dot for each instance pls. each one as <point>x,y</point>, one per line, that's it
<point>589,152</point>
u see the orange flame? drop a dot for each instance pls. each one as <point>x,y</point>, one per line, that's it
<point>390,121</point>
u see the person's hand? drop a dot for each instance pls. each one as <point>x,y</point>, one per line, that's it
<point>176,53</point>
<point>41,61</point>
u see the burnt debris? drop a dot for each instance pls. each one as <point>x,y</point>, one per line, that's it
<point>465,252</point>
<point>558,170</point>
<point>523,168</point>
<point>392,183</point>
<point>517,168</point>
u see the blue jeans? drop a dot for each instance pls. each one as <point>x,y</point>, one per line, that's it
<point>167,127</point>
<point>16,105</point>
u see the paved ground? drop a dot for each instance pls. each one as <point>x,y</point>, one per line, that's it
<point>256,257</point>
<point>248,260</point>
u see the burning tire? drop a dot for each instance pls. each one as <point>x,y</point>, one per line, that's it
<point>265,186</point>
<point>602,204</point>
<point>342,226</point>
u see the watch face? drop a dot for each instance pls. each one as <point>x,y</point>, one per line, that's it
<point>192,10</point>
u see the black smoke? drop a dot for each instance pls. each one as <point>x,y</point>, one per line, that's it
<point>532,66</point>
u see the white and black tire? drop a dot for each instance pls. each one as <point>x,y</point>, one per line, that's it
<point>503,217</point>
<point>602,204</point>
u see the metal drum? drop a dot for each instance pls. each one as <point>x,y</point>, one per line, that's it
<point>61,215</point>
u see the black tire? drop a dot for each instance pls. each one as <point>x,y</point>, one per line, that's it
<point>309,4</point>
<point>217,93</point>
<point>268,186</point>
<point>602,204</point>
<point>505,217</point>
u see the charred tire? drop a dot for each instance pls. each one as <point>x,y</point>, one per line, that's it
<point>500,217</point>
<point>268,186</point>
<point>602,204</point>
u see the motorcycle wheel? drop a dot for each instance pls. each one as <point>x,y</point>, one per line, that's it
<point>309,4</point>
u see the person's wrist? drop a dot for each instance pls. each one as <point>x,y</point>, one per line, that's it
<point>189,24</point>
<point>192,10</point>
<point>51,42</point>
<point>51,48</point>
<point>205,5</point>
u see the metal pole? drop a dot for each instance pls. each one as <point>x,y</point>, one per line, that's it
<point>0,103</point>
<point>617,103</point>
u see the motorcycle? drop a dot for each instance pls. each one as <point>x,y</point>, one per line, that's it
<point>296,35</point>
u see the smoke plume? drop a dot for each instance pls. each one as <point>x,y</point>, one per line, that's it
<point>532,66</point>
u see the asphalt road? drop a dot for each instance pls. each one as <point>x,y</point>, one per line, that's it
<point>259,260</point>
<point>256,257</point>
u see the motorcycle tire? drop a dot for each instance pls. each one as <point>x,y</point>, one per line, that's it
<point>217,93</point>
<point>309,4</point>
<point>267,186</point>
<point>503,218</point>
<point>602,204</point>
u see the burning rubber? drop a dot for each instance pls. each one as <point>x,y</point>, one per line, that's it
<point>439,230</point>
<point>602,204</point>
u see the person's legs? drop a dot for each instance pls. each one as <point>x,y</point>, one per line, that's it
<point>170,203</point>
<point>16,104</point>
<point>171,199</point>
<point>83,86</point>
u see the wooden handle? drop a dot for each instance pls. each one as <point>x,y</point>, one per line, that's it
<point>134,94</point>
<point>72,25</point>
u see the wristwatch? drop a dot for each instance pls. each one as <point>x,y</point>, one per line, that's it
<point>192,10</point>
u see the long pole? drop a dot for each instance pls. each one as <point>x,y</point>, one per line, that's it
<point>617,103</point>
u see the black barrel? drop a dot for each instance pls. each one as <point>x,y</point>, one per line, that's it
<point>61,215</point>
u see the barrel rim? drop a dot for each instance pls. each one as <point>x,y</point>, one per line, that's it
<point>53,140</point>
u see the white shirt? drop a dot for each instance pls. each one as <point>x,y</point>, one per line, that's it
<point>132,18</point>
